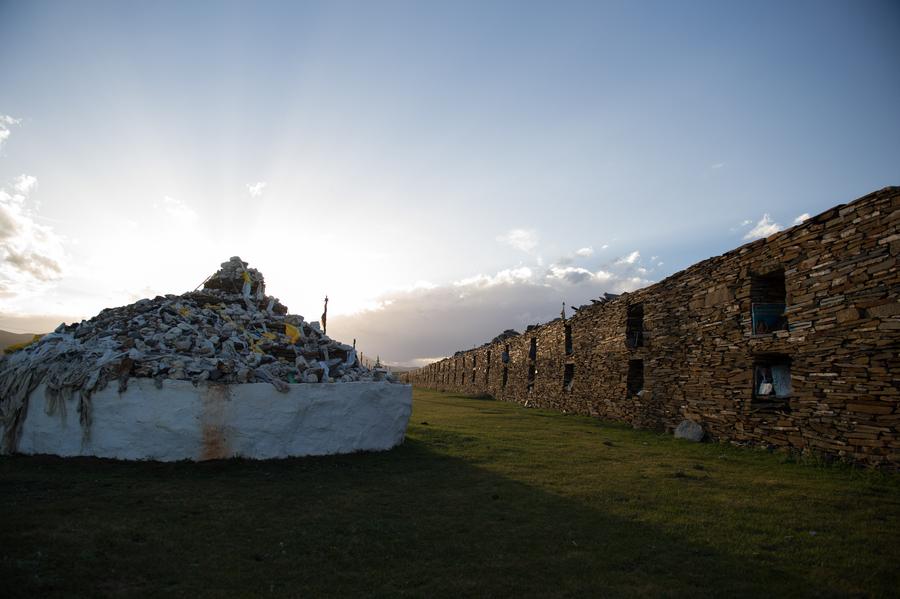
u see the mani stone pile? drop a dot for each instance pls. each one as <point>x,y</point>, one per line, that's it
<point>230,331</point>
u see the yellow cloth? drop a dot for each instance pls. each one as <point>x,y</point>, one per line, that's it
<point>292,332</point>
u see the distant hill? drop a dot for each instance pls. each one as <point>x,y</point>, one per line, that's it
<point>7,338</point>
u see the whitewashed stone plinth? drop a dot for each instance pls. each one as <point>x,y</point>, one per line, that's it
<point>183,422</point>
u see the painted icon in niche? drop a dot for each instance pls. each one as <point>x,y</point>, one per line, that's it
<point>768,318</point>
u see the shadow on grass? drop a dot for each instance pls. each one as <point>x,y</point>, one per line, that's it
<point>406,522</point>
<point>475,396</point>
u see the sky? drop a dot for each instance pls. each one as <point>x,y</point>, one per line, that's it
<point>441,170</point>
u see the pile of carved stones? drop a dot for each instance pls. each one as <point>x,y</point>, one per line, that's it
<point>229,331</point>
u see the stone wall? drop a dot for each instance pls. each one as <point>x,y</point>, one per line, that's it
<point>697,355</point>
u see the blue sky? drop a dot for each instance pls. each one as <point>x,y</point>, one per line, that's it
<point>465,166</point>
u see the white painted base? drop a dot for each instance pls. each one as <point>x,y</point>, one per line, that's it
<point>183,422</point>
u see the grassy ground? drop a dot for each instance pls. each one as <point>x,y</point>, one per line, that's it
<point>483,498</point>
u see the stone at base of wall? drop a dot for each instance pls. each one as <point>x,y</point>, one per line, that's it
<point>183,422</point>
<point>689,430</point>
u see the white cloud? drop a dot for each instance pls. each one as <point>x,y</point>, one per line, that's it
<point>256,189</point>
<point>25,183</point>
<point>33,255</point>
<point>718,165</point>
<point>575,275</point>
<point>571,274</point>
<point>585,252</point>
<point>763,228</point>
<point>504,277</point>
<point>524,240</point>
<point>744,223</point>
<point>6,122</point>
<point>416,324</point>
<point>180,211</point>
<point>630,258</point>
<point>803,217</point>
<point>604,246</point>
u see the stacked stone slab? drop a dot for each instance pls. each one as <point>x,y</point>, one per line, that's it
<point>698,350</point>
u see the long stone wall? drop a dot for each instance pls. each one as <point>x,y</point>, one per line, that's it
<point>822,374</point>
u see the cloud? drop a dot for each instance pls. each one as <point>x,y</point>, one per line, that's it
<point>32,254</point>
<point>630,258</point>
<point>763,228</point>
<point>256,189</point>
<point>523,240</point>
<point>41,267</point>
<point>744,223</point>
<point>6,122</point>
<point>25,183</point>
<point>411,326</point>
<point>504,277</point>
<point>717,165</point>
<point>179,210</point>
<point>803,217</point>
<point>585,252</point>
<point>574,275</point>
<point>570,274</point>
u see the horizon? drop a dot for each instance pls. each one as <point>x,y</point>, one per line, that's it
<point>437,171</point>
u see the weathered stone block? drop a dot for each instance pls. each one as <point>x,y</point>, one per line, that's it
<point>884,310</point>
<point>871,407</point>
<point>689,430</point>
<point>848,315</point>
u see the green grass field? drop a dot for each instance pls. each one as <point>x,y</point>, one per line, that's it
<point>483,498</point>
